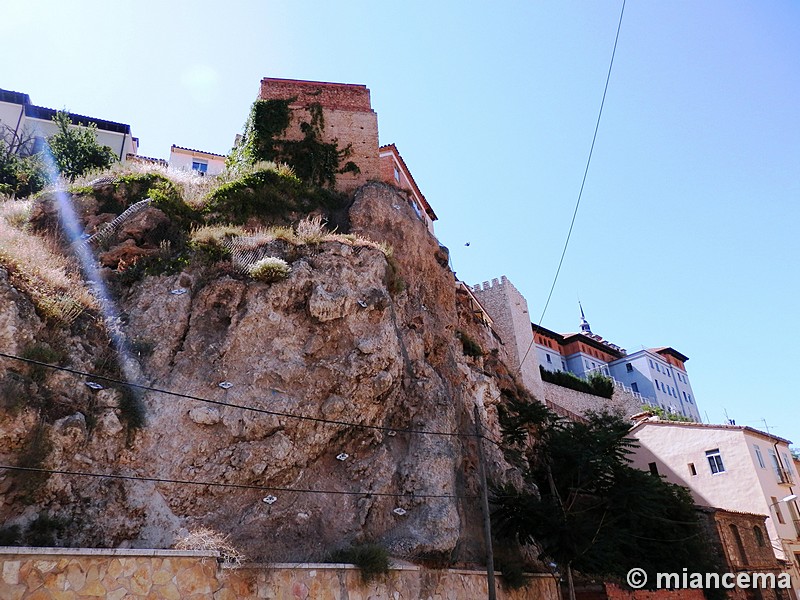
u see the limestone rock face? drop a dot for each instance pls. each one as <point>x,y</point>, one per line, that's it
<point>329,343</point>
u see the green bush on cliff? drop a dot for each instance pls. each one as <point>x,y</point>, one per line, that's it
<point>266,193</point>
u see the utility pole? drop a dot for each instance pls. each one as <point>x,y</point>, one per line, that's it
<point>487,524</point>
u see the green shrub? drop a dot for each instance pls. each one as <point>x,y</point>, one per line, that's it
<point>41,353</point>
<point>393,280</point>
<point>269,269</point>
<point>131,408</point>
<point>664,415</point>
<point>469,346</point>
<point>598,386</point>
<point>602,385</point>
<point>44,531</point>
<point>36,450</point>
<point>266,193</point>
<point>513,571</point>
<point>372,559</point>
<point>10,535</point>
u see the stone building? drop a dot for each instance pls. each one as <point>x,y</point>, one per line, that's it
<point>741,542</point>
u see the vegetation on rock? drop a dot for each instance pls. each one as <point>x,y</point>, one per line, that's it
<point>597,384</point>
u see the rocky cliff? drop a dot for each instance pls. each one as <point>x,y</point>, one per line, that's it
<point>357,343</point>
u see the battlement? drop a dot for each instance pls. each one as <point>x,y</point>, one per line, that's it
<point>339,96</point>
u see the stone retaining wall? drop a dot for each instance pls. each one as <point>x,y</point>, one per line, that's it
<point>581,402</point>
<point>72,574</point>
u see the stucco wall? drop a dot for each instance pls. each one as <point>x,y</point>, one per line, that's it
<point>65,574</point>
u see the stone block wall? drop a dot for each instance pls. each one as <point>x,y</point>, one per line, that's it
<point>580,402</point>
<point>74,574</point>
<point>509,311</point>
<point>349,119</point>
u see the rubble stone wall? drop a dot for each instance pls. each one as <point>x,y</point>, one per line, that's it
<point>72,574</point>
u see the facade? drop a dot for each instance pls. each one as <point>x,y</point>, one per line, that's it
<point>740,541</point>
<point>658,375</point>
<point>204,163</point>
<point>731,467</point>
<point>395,172</point>
<point>24,120</point>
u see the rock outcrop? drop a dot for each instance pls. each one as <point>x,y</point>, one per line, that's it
<point>351,341</point>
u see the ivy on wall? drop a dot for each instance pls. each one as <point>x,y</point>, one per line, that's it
<point>313,160</point>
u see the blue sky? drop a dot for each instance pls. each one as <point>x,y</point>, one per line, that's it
<point>686,234</point>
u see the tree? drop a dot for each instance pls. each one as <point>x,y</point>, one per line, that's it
<point>593,512</point>
<point>75,149</point>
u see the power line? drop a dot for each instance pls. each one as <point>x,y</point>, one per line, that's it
<point>580,193</point>
<point>263,488</point>
<point>233,405</point>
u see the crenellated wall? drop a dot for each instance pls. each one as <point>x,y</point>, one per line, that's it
<point>509,311</point>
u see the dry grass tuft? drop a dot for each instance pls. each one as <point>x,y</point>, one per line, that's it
<point>208,539</point>
<point>35,267</point>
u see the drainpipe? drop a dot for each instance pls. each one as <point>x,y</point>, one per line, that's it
<point>122,148</point>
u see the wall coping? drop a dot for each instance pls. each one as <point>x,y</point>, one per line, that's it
<point>31,551</point>
<point>10,551</point>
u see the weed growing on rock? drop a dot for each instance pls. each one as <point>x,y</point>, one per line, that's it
<point>469,345</point>
<point>372,559</point>
<point>41,353</point>
<point>269,269</point>
<point>204,538</point>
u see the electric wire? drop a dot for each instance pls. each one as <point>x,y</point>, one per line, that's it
<point>245,486</point>
<point>275,413</point>
<point>580,193</point>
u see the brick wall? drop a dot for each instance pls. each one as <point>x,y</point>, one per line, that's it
<point>349,119</point>
<point>614,592</point>
<point>72,574</point>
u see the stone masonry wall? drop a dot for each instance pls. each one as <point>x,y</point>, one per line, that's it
<point>349,119</point>
<point>509,311</point>
<point>68,574</point>
<point>581,402</point>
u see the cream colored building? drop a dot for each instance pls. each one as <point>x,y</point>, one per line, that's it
<point>731,467</point>
<point>22,119</point>
<point>204,163</point>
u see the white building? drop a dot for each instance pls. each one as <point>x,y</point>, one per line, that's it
<point>731,467</point>
<point>204,163</point>
<point>24,120</point>
<point>658,375</point>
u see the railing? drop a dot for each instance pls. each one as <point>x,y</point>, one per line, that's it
<point>617,383</point>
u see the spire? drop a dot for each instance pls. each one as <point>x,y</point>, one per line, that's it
<point>585,328</point>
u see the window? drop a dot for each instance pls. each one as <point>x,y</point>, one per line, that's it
<point>776,465</point>
<point>692,470</point>
<point>653,468</point>
<point>635,387</point>
<point>759,457</point>
<point>657,387</point>
<point>759,536</point>
<point>548,358</point>
<point>651,362</point>
<point>778,512</point>
<point>564,365</point>
<point>738,539</point>
<point>629,368</point>
<point>787,463</point>
<point>715,461</point>
<point>684,395</point>
<point>200,166</point>
<point>397,175</point>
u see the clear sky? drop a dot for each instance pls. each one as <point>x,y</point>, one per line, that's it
<point>687,232</point>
